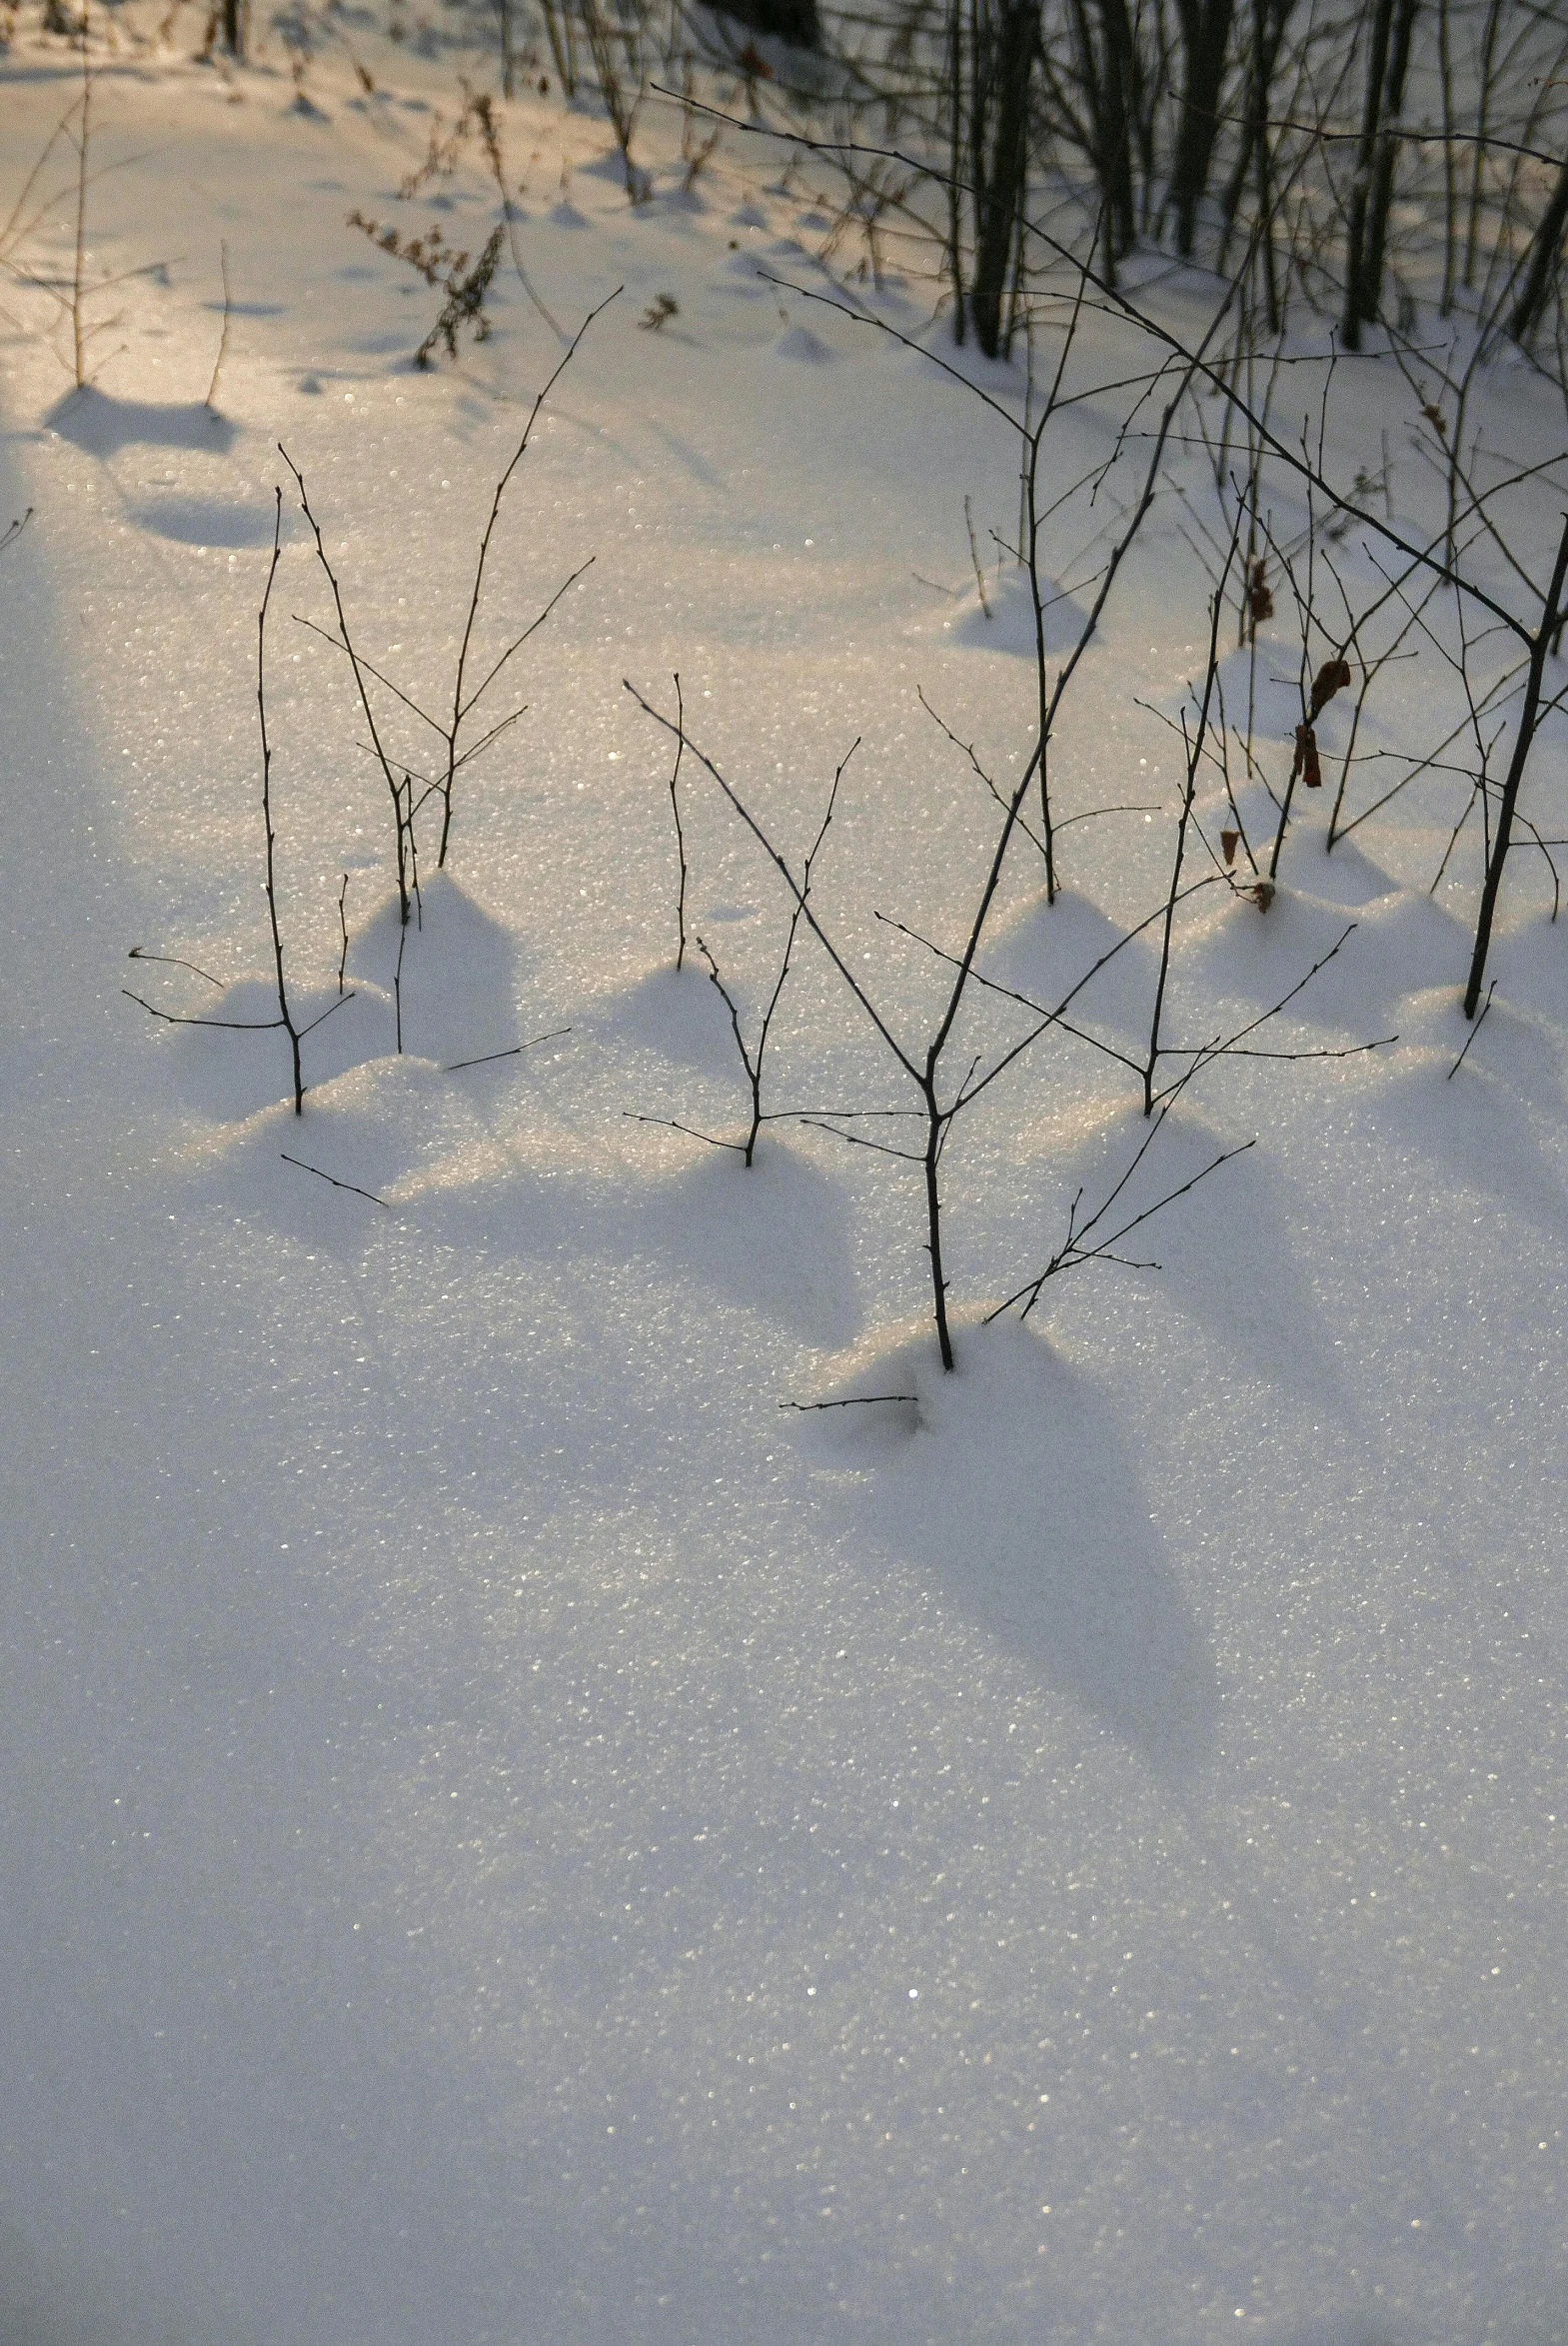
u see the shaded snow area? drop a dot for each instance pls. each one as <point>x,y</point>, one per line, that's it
<point>514,1836</point>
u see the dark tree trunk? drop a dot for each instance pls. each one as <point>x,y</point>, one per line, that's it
<point>1541,262</point>
<point>1387,155</point>
<point>955,165</point>
<point>1102,32</point>
<point>796,21</point>
<point>1205,40</point>
<point>1388,58</point>
<point>1255,153</point>
<point>1366,153</point>
<point>1529,719</point>
<point>1000,174</point>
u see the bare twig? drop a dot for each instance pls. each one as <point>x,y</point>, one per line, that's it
<point>1474,1031</point>
<point>1194,758</point>
<point>675,809</point>
<point>1528,719</point>
<point>139,952</point>
<point>284,1016</point>
<point>393,787</point>
<point>222,340</point>
<point>485,1058</point>
<point>353,1187</point>
<point>751,1060</point>
<point>851,1402</point>
<point>461,707</point>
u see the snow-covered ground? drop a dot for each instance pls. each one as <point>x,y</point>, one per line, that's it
<point>510,1834</point>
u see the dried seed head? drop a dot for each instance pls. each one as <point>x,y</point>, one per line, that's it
<point>1230,840</point>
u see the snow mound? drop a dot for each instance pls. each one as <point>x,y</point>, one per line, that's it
<point>1048,951</point>
<point>677,1013</point>
<point>1266,681</point>
<point>358,1153</point>
<point>1397,944</point>
<point>459,973</point>
<point>241,1062</point>
<point>1006,621</point>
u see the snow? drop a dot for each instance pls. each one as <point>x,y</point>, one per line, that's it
<point>514,1833</point>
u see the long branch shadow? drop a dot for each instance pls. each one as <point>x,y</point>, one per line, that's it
<point>1224,1254</point>
<point>460,973</point>
<point>102,425</point>
<point>772,1237</point>
<point>1010,1489</point>
<point>204,521</point>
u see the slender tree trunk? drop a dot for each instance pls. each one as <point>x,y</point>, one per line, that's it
<point>955,165</point>
<point>1483,104</point>
<point>1116,133</point>
<point>999,182</point>
<point>507,60</point>
<point>1103,37</point>
<point>1366,156</point>
<point>1541,264</point>
<point>933,1141</point>
<point>1205,37</point>
<point>1387,155</point>
<point>1528,716</point>
<point>1255,153</point>
<point>1445,68</point>
<point>1147,86</point>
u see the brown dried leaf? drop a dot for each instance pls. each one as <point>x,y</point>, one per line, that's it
<point>1260,603</point>
<point>1306,764</point>
<point>1331,677</point>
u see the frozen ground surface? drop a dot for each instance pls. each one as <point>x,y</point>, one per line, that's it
<point>510,1835</point>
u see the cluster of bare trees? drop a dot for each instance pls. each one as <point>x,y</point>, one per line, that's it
<point>1367,155</point>
<point>420,772</point>
<point>1033,146</point>
<point>1476,586</point>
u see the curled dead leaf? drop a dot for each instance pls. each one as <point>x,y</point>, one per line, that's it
<point>1260,603</point>
<point>1331,677</point>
